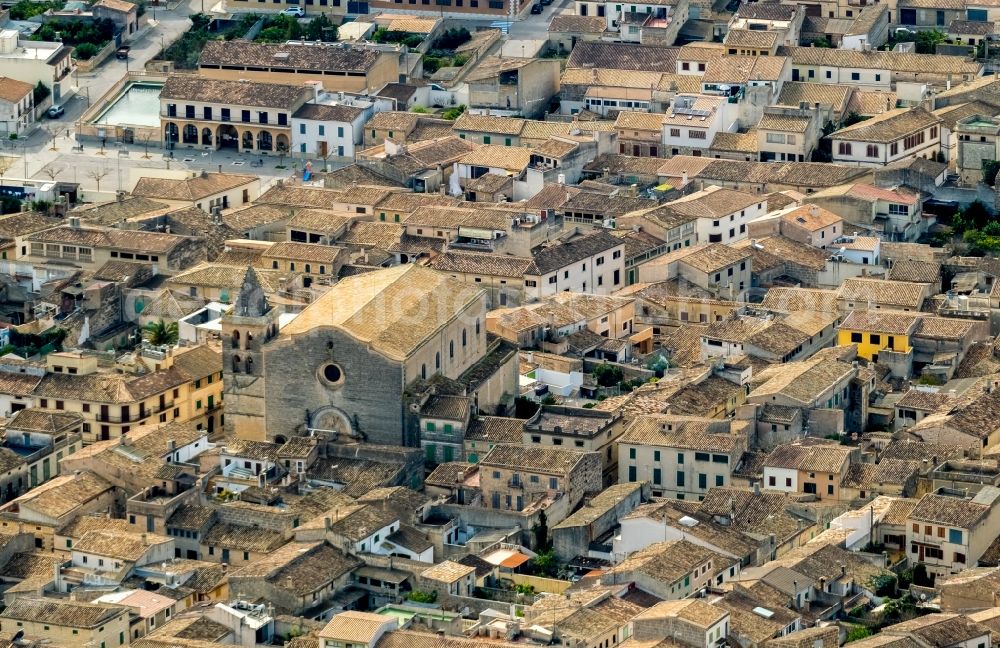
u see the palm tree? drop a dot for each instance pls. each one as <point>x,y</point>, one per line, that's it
<point>160,333</point>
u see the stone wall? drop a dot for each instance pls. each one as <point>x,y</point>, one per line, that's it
<point>369,394</point>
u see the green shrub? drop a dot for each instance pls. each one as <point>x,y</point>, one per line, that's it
<point>419,110</point>
<point>86,51</point>
<point>418,596</point>
<point>857,633</point>
<point>453,113</point>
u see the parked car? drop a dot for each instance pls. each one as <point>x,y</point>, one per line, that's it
<point>56,111</point>
<point>536,9</point>
<point>122,52</point>
<point>298,12</point>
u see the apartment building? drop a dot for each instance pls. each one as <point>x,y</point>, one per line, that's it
<point>948,531</point>
<point>894,135</point>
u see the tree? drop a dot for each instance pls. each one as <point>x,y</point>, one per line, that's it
<point>927,41</point>
<point>160,333</point>
<point>857,633</point>
<point>608,375</point>
<point>990,168</point>
<point>52,171</point>
<point>40,93</point>
<point>6,162</point>
<point>920,577</point>
<point>454,113</point>
<point>144,138</point>
<point>97,175</point>
<point>545,563</point>
<point>321,29</point>
<point>86,51</point>
<point>541,531</point>
<point>52,130</point>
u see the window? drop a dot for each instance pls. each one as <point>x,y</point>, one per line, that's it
<point>631,473</point>
<point>770,481</point>
<point>680,479</point>
<point>702,456</point>
<point>843,148</point>
<point>871,151</point>
<point>875,339</point>
<point>631,453</point>
<point>720,480</point>
<point>855,76</point>
<point>857,337</point>
<point>960,558</point>
<point>656,455</point>
<point>702,480</point>
<point>955,536</point>
<point>697,134</point>
<point>322,130</point>
<point>775,138</point>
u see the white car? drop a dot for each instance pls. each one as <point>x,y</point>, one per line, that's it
<point>298,12</point>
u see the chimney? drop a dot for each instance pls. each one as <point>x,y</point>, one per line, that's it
<point>756,488</point>
<point>814,211</point>
<point>684,177</point>
<point>145,540</point>
<point>327,523</point>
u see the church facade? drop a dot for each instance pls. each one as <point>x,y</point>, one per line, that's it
<point>354,365</point>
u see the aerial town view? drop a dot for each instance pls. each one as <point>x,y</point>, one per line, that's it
<point>499,323</point>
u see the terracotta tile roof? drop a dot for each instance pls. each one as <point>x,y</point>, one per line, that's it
<point>622,56</point>
<point>794,93</point>
<point>751,38</point>
<point>889,126</point>
<point>495,429</point>
<point>743,69</point>
<point>892,61</point>
<point>736,142</point>
<point>497,156</point>
<point>287,56</point>
<point>354,305</point>
<point>893,293</point>
<point>63,613</point>
<point>877,321</point>
<point>915,271</point>
<point>954,511</point>
<point>188,87</point>
<point>561,23</point>
<point>488,124</point>
<point>548,460</point>
<point>13,90</point>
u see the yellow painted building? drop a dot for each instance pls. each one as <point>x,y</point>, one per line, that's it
<point>877,331</point>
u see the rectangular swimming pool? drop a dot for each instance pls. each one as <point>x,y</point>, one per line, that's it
<point>137,105</point>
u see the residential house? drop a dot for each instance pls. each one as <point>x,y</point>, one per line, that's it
<point>66,621</point>
<point>881,294</point>
<point>513,477</point>
<point>205,191</point>
<point>17,107</point>
<point>692,122</point>
<point>722,213</point>
<point>895,214</point>
<point>787,134</point>
<point>720,269</point>
<point>823,388</point>
<point>588,430</point>
<point>673,570</point>
<point>948,531</point>
<point>693,622</point>
<point>886,138</point>
<point>34,62</point>
<point>355,628</point>
<point>448,577</point>
<point>297,577</point>
<point>813,469</point>
<point>681,458</point>
<point>876,70</point>
<point>640,133</point>
<point>513,86</point>
<point>42,438</point>
<point>124,14</point>
<point>331,125</point>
